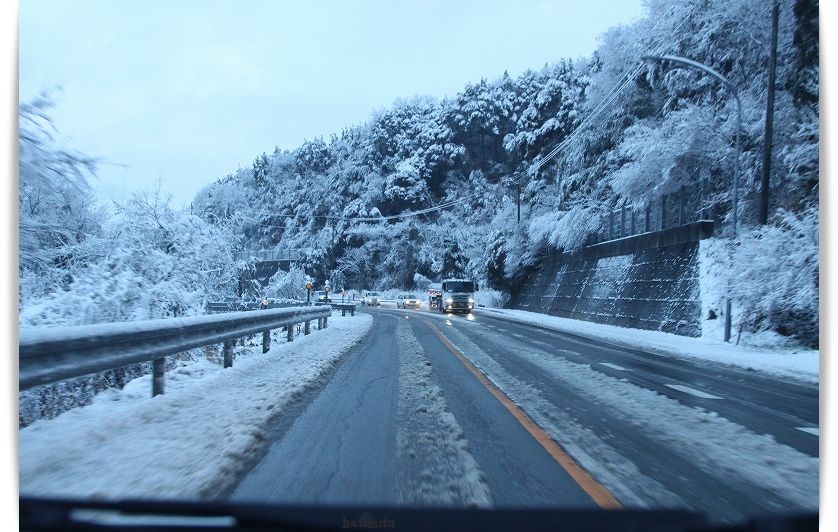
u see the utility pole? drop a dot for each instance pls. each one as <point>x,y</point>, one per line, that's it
<point>769,118</point>
<point>332,253</point>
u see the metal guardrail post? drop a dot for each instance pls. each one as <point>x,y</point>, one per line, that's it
<point>228,353</point>
<point>325,322</point>
<point>290,333</point>
<point>307,328</point>
<point>158,372</point>
<point>266,341</point>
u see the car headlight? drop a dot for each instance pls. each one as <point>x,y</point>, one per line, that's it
<point>470,300</point>
<point>449,300</point>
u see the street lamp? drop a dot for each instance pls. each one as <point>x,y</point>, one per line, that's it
<point>732,89</point>
<point>700,66</point>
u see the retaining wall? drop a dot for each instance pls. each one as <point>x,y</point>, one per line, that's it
<point>648,281</point>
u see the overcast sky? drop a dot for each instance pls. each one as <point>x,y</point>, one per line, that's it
<point>191,90</point>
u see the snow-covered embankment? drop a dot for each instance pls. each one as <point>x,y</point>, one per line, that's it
<point>188,443</point>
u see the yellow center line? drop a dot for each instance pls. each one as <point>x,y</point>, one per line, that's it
<point>594,489</point>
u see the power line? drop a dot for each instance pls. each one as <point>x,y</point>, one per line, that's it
<point>629,76</point>
<point>611,96</point>
<point>408,214</point>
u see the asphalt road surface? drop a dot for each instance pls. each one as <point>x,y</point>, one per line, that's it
<point>435,409</point>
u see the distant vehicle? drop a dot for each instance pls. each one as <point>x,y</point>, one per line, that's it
<point>457,295</point>
<point>408,301</point>
<point>321,296</point>
<point>434,296</point>
<point>371,299</point>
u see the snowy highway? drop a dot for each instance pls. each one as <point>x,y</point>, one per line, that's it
<point>431,409</point>
<point>242,314</point>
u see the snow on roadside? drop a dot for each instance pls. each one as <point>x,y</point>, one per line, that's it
<point>189,442</point>
<point>802,364</point>
<point>722,448</point>
<point>486,297</point>
<point>441,469</point>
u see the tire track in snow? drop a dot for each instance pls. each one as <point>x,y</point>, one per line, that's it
<point>435,465</point>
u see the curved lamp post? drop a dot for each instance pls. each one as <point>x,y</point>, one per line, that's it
<point>704,68</point>
<point>700,66</point>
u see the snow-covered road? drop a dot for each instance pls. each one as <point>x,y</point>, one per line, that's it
<point>428,409</point>
<point>653,431</point>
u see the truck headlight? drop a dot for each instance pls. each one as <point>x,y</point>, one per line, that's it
<point>470,300</point>
<point>449,300</point>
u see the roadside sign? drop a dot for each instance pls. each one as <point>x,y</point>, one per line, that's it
<point>309,285</point>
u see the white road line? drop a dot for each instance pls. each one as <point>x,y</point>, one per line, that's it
<point>815,431</point>
<point>692,391</point>
<point>539,342</point>
<point>614,366</point>
<point>518,335</point>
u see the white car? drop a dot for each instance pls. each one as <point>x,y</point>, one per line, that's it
<point>320,296</point>
<point>371,299</point>
<point>408,301</point>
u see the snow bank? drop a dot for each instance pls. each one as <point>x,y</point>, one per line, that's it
<point>487,297</point>
<point>189,442</point>
<point>802,364</point>
<point>772,277</point>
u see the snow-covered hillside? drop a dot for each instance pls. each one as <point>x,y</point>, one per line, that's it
<point>429,188</point>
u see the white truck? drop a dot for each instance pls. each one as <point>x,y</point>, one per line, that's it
<point>457,295</point>
<point>371,299</point>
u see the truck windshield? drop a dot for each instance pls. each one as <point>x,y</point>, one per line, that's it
<point>460,286</point>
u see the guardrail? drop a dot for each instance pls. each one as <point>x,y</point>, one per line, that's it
<point>53,354</point>
<point>344,308</point>
<point>236,306</point>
